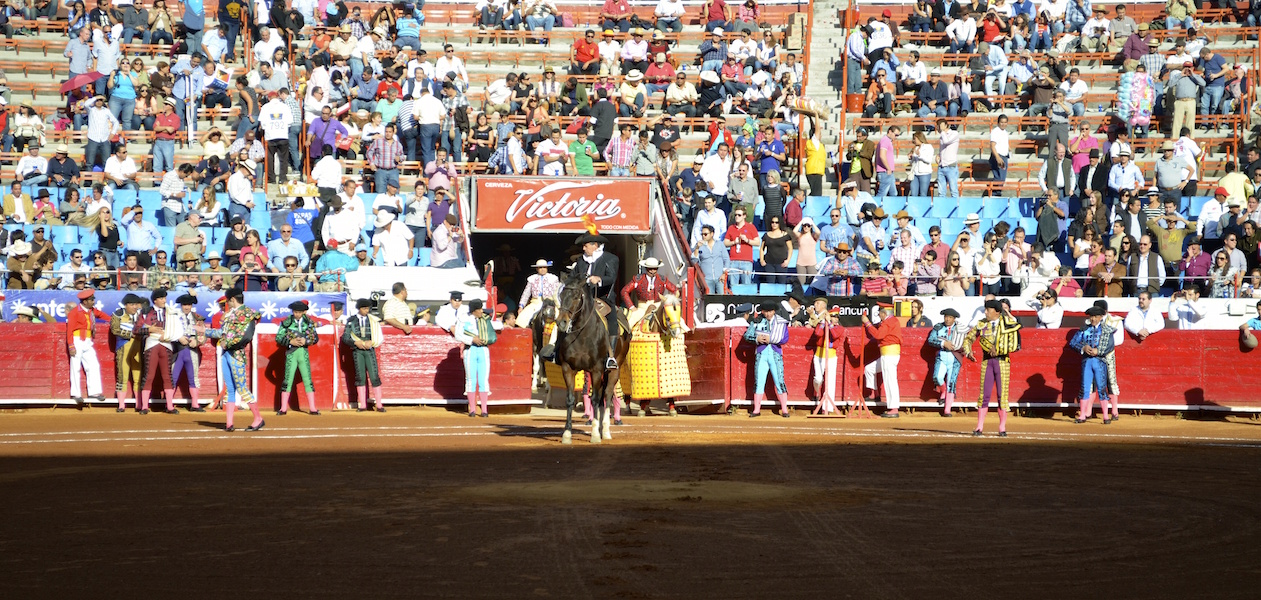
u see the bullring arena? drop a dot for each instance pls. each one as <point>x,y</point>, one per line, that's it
<point>423,502</point>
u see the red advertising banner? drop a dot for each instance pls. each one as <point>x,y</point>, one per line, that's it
<point>619,205</point>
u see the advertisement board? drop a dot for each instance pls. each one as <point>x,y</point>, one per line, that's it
<point>558,204</point>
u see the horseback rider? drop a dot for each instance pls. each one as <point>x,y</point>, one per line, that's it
<point>645,290</point>
<point>600,270</point>
<point>540,286</point>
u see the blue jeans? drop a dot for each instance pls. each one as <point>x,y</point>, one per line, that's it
<point>384,176</point>
<point>295,152</point>
<point>714,285</point>
<point>1016,41</point>
<point>924,111</point>
<point>122,109</point>
<point>963,104</point>
<point>1079,108</point>
<point>1187,23</point>
<point>948,178</point>
<point>37,180</point>
<point>886,184</point>
<point>853,75</point>
<point>408,137</point>
<point>966,48</point>
<point>238,210</point>
<point>157,37</point>
<point>623,25</point>
<point>368,105</point>
<point>619,171</point>
<point>740,272</point>
<point>356,67</point>
<point>163,155</point>
<point>668,24</point>
<point>534,23</point>
<point>96,153</point>
<point>171,218</point>
<point>428,138</point>
<point>410,41</point>
<point>1211,99</point>
<point>247,123</point>
<point>130,34</point>
<point>920,185</point>
<point>625,109</point>
<point>998,173</point>
<point>1040,41</point>
<point>452,143</point>
<point>712,25</point>
<point>711,65</point>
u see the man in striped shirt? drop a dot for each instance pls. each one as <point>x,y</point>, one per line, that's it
<point>383,157</point>
<point>619,152</point>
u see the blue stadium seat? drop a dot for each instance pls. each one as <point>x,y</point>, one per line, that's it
<point>744,289</point>
<point>943,208</point>
<point>968,206</point>
<point>1030,225</point>
<point>792,259</point>
<point>422,257</point>
<point>995,208</point>
<point>64,250</point>
<point>885,256</point>
<point>61,234</point>
<point>771,289</point>
<point>919,206</point>
<point>925,223</point>
<point>1197,203</point>
<point>1022,207</point>
<point>949,229</point>
<point>167,233</point>
<point>817,208</point>
<point>892,204</point>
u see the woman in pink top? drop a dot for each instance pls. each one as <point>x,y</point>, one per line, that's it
<point>1081,146</point>
<point>807,245</point>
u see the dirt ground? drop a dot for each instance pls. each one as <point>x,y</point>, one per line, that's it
<point>420,502</point>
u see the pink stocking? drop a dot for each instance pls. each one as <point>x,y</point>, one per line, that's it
<point>170,399</point>
<point>757,403</point>
<point>485,399</point>
<point>144,399</point>
<point>586,407</point>
<point>376,397</point>
<point>1116,411</point>
<point>1002,419</point>
<point>472,403</point>
<point>1087,407</point>
<point>950,398</point>
<point>193,397</point>
<point>980,415</point>
<point>284,402</point>
<point>122,397</point>
<point>231,408</point>
<point>258,417</point>
<point>363,397</point>
<point>783,401</point>
<point>617,408</point>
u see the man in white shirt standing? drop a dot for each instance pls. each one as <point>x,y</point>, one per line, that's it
<point>241,191</point>
<point>429,113</point>
<point>392,243</point>
<point>327,174</point>
<point>341,225</point>
<point>1000,150</point>
<point>275,119</point>
<point>716,172</point>
<point>1186,309</point>
<point>1208,224</point>
<point>1124,175</point>
<point>1143,320</point>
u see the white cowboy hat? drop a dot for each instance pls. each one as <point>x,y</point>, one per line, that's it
<point>650,263</point>
<point>384,218</point>
<point>19,248</point>
<point>710,76</point>
<point>634,75</point>
<point>541,264</point>
<point>24,311</point>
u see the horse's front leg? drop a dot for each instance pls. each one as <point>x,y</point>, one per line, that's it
<point>567,436</point>
<point>598,411</point>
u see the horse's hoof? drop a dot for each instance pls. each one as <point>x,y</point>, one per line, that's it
<point>640,413</point>
<point>595,436</point>
<point>566,438</point>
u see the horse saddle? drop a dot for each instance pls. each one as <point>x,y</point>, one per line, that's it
<point>603,309</point>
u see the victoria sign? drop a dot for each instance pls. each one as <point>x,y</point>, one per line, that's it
<point>618,205</point>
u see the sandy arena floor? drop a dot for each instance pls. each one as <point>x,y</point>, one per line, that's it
<point>428,503</point>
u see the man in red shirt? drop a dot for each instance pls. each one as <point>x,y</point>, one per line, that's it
<point>936,245</point>
<point>740,239</point>
<point>616,14</point>
<point>79,339</point>
<point>166,128</point>
<point>716,14</point>
<point>889,337</point>
<point>584,57</point>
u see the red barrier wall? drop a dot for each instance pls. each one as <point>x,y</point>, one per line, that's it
<point>1172,369</point>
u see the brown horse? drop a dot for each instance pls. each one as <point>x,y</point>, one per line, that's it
<point>583,345</point>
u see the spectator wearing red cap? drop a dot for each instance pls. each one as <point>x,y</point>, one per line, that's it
<point>79,339</point>
<point>1208,224</point>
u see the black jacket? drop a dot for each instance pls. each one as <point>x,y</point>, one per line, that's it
<point>606,268</point>
<point>1098,184</point>
<point>605,116</point>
